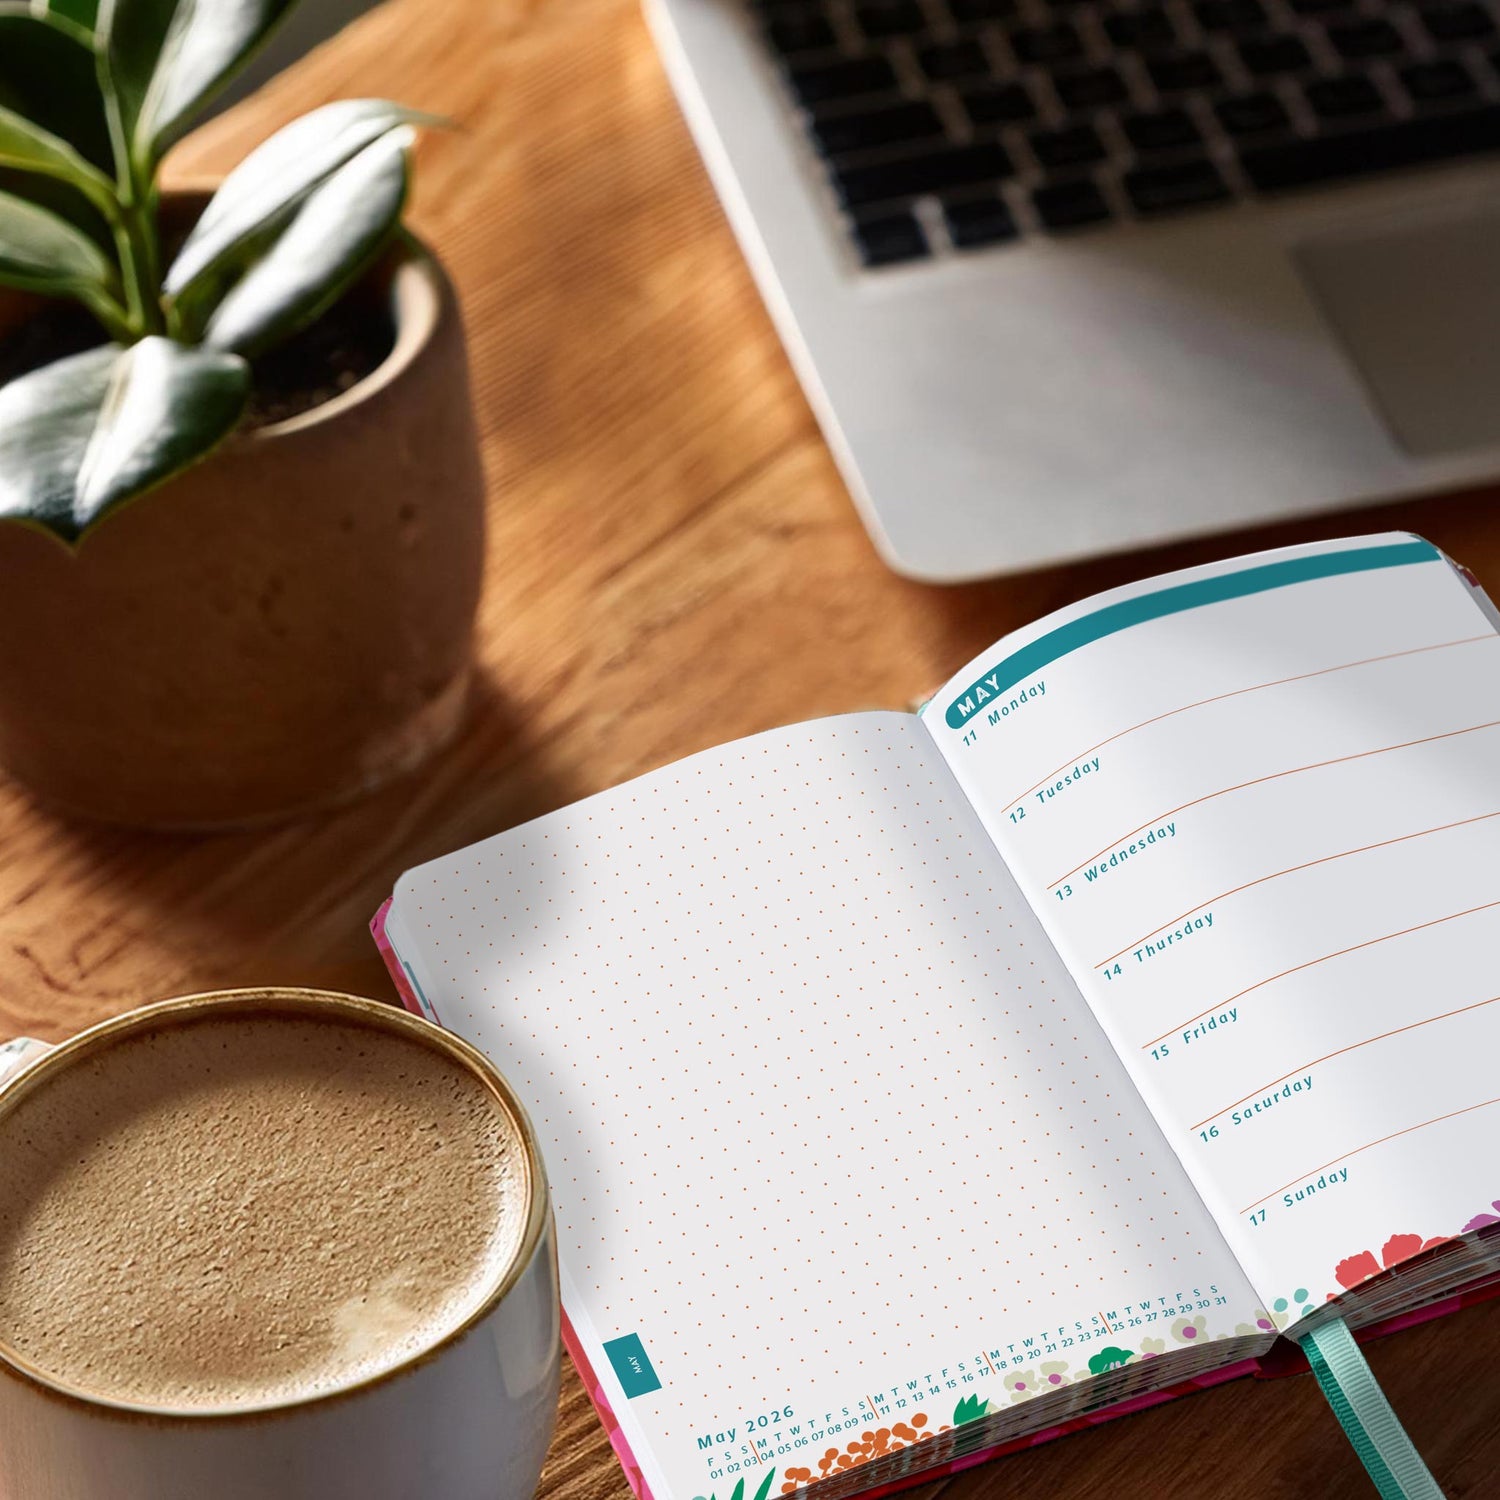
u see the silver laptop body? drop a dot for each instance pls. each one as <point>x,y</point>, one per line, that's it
<point>1175,369</point>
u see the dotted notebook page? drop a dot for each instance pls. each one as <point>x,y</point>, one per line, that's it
<point>833,1140</point>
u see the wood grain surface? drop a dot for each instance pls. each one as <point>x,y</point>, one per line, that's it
<point>673,562</point>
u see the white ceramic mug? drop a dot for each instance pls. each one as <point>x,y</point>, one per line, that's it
<point>469,1419</point>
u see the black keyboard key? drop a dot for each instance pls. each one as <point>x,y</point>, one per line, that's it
<point>1183,70</point>
<point>1072,146</point>
<point>1437,82</point>
<point>1365,38</point>
<point>1068,205</point>
<point>1092,89</point>
<point>1343,98</point>
<point>933,172</point>
<point>944,61</point>
<point>799,31</point>
<point>843,80</point>
<point>1403,143</point>
<point>1155,190</point>
<point>890,239</point>
<point>980,221</point>
<point>883,18</point>
<point>1230,15</point>
<point>1274,54</point>
<point>1147,30</point>
<point>967,11</point>
<point>1252,114</point>
<point>1000,104</point>
<point>1046,44</point>
<point>1162,130</point>
<point>1464,22</point>
<point>843,132</point>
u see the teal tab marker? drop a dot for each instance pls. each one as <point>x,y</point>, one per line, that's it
<point>1366,1416</point>
<point>416,984</point>
<point>1116,617</point>
<point>627,1355</point>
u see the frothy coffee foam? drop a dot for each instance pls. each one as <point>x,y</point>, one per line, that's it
<point>242,1210</point>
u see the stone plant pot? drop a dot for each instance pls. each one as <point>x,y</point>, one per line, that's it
<point>281,628</point>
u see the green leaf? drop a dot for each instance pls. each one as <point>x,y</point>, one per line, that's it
<point>63,199</point>
<point>739,1491</point>
<point>42,252</point>
<point>765,1488</point>
<point>163,60</point>
<point>64,203</point>
<point>28,148</point>
<point>263,190</point>
<point>48,79</point>
<point>81,436</point>
<point>82,13</point>
<point>337,232</point>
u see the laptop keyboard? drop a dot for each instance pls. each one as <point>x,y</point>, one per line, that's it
<point>960,124</point>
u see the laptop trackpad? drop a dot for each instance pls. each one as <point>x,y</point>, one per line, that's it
<point>1418,310</point>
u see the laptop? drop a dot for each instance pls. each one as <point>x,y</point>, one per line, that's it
<point>1062,277</point>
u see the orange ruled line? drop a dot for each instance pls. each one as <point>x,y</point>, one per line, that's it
<point>1316,765</point>
<point>987,1361</point>
<point>1394,1135</point>
<point>1314,962</point>
<point>1352,1047</point>
<point>1292,870</point>
<point>1102,1318</point>
<point>1258,687</point>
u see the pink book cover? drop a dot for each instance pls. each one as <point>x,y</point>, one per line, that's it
<point>1284,1358</point>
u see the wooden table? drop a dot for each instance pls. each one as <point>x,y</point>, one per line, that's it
<point>673,562</point>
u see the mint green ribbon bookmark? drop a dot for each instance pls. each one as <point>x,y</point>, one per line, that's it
<point>1366,1416</point>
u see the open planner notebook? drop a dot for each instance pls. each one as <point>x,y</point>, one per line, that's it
<point>912,1085</point>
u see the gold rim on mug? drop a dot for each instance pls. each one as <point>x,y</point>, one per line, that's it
<point>306,1002</point>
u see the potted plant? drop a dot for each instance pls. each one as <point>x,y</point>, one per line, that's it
<point>241,504</point>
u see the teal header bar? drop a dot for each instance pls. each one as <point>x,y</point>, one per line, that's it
<point>1058,643</point>
<point>627,1356</point>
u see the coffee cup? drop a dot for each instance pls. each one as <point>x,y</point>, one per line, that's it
<point>271,1243</point>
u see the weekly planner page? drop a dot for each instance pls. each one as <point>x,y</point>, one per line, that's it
<point>839,1156</point>
<point>1257,807</point>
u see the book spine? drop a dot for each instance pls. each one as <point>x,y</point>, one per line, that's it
<point>393,963</point>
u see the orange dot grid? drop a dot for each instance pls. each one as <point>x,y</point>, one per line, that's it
<point>819,1104</point>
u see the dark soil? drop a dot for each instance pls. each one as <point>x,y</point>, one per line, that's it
<point>346,344</point>
<point>350,341</point>
<point>55,331</point>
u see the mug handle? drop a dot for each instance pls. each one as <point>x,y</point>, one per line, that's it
<point>19,1054</point>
